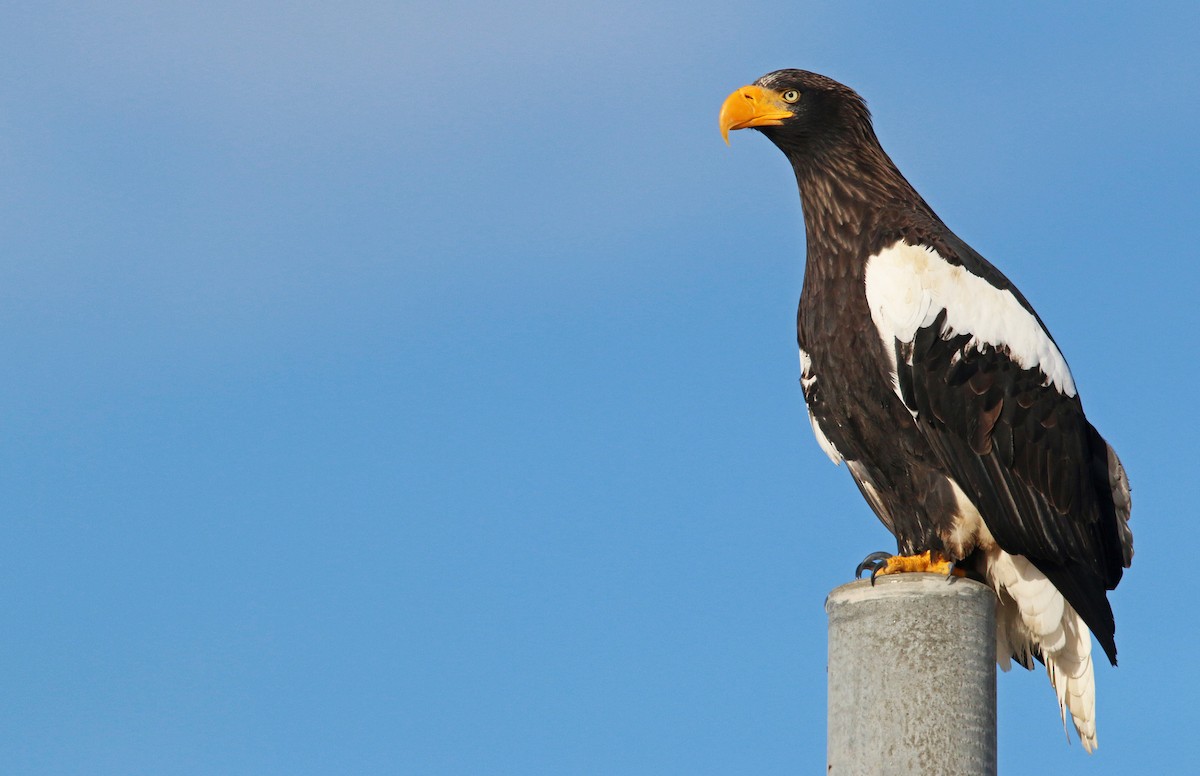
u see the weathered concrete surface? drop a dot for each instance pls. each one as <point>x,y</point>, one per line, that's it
<point>912,677</point>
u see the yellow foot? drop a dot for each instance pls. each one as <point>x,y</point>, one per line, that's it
<point>931,562</point>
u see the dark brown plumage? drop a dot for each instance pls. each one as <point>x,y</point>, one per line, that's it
<point>931,376</point>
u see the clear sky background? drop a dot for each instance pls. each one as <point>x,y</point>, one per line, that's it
<point>412,388</point>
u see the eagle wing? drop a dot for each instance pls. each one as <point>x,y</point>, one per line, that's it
<point>993,396</point>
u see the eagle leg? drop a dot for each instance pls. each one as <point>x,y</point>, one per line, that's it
<point>930,561</point>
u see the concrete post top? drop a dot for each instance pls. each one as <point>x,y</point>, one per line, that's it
<point>906,585</point>
<point>912,677</point>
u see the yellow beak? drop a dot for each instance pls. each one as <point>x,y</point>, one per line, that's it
<point>752,106</point>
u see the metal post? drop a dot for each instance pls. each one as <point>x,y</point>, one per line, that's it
<point>912,677</point>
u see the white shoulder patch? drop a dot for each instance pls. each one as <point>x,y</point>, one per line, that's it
<point>908,286</point>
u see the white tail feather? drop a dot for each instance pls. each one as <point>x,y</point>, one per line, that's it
<point>1032,616</point>
<point>1070,671</point>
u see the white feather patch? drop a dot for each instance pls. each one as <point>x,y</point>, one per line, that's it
<point>1031,614</point>
<point>908,286</point>
<point>806,376</point>
<point>807,379</point>
<point>968,530</point>
<point>823,440</point>
<point>1039,602</point>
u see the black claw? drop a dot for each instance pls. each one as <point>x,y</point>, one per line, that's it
<point>875,562</point>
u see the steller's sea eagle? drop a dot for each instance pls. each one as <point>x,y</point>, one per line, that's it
<point>931,376</point>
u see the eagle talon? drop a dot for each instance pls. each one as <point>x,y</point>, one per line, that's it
<point>875,561</point>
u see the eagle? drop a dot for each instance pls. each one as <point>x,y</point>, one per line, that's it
<point>930,375</point>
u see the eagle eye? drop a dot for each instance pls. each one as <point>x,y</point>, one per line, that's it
<point>791,95</point>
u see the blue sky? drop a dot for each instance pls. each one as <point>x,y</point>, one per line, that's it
<point>413,388</point>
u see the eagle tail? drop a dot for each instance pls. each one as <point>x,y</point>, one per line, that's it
<point>1070,671</point>
<point>1033,620</point>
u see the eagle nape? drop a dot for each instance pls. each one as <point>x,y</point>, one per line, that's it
<point>930,562</point>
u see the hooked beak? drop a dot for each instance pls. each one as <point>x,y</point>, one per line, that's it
<point>752,106</point>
